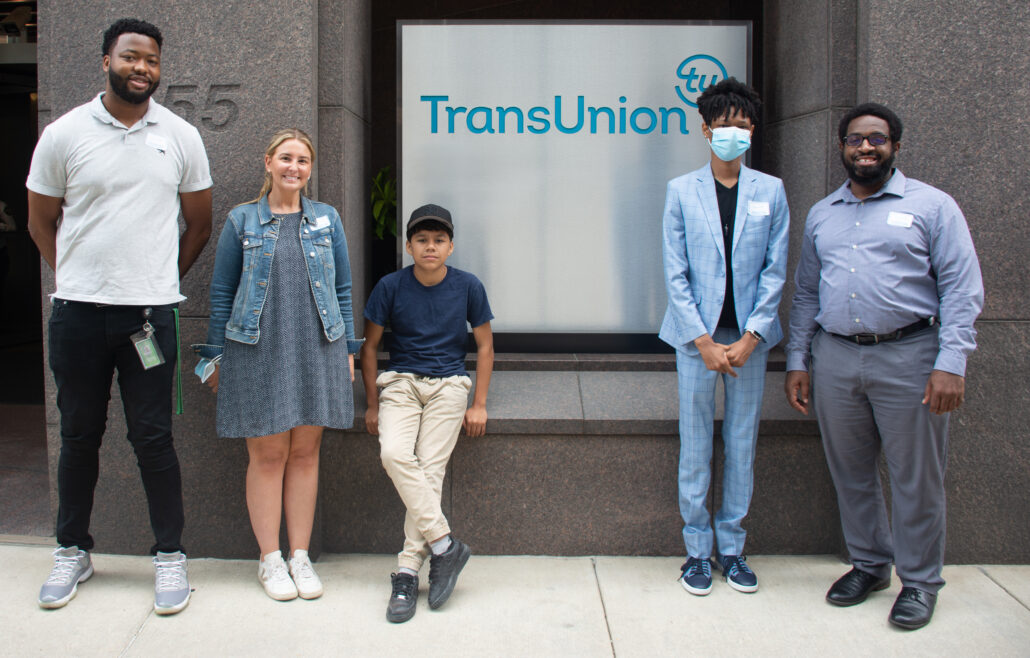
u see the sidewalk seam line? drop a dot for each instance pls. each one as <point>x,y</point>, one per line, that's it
<point>136,634</point>
<point>1003,588</point>
<point>604,608</point>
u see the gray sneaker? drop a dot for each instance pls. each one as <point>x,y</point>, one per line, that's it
<point>71,567</point>
<point>171,587</point>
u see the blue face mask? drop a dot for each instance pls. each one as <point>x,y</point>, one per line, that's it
<point>729,143</point>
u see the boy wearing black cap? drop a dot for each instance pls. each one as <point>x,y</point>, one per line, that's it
<point>420,403</point>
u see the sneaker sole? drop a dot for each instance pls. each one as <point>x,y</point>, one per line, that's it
<point>60,603</point>
<point>173,609</point>
<point>307,596</point>
<point>747,589</point>
<point>453,580</point>
<point>696,591</point>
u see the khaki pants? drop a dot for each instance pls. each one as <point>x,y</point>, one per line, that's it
<point>419,421</point>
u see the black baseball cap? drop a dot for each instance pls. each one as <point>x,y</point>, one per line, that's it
<point>430,212</point>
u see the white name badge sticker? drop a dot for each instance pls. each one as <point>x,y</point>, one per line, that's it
<point>321,222</point>
<point>902,219</point>
<point>760,208</point>
<point>158,142</point>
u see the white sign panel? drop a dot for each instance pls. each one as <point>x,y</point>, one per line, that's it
<point>551,145</point>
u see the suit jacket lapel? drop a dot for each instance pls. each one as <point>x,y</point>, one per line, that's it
<point>709,203</point>
<point>746,188</point>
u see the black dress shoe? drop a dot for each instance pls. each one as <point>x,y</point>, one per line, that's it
<point>913,609</point>
<point>854,586</point>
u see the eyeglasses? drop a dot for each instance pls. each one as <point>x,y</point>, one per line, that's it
<point>875,139</point>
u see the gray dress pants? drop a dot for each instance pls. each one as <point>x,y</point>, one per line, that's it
<point>868,399</point>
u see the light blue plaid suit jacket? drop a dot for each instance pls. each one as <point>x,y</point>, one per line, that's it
<point>695,266</point>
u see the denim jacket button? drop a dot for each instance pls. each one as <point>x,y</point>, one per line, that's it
<point>311,253</point>
<point>318,284</point>
<point>323,311</point>
<point>246,242</point>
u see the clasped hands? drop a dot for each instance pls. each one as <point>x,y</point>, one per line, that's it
<point>723,358</point>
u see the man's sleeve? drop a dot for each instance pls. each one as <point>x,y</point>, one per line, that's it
<point>48,173</point>
<point>805,305</point>
<point>196,172</point>
<point>959,287</point>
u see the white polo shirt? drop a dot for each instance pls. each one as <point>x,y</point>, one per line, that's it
<point>118,238</point>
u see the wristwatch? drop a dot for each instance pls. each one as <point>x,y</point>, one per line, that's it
<point>754,333</point>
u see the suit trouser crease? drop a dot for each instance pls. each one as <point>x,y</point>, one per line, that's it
<point>697,386</point>
<point>87,344</point>
<point>419,422</point>
<point>868,400</point>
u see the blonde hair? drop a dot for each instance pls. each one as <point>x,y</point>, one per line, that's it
<point>275,143</point>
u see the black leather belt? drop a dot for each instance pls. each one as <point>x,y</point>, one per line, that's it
<point>873,339</point>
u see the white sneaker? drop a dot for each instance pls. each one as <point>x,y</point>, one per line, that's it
<point>304,576</point>
<point>171,584</point>
<point>71,567</point>
<point>275,578</point>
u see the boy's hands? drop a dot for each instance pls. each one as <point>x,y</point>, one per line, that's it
<point>474,422</point>
<point>715,355</point>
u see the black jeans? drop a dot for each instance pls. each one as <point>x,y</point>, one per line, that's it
<point>87,343</point>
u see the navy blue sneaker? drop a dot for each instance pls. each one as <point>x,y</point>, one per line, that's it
<point>738,575</point>
<point>697,576</point>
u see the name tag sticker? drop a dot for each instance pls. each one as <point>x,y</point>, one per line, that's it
<point>760,208</point>
<point>902,219</point>
<point>158,142</point>
<point>321,222</point>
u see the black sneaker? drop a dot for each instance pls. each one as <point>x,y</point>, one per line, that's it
<point>444,570</point>
<point>403,599</point>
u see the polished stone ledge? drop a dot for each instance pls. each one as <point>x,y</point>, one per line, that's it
<point>611,402</point>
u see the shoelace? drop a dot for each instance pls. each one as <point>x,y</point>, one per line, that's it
<point>700,565</point>
<point>738,565</point>
<point>404,587</point>
<point>171,576</point>
<point>277,572</point>
<point>64,569</point>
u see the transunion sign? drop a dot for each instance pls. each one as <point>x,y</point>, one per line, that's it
<point>552,145</point>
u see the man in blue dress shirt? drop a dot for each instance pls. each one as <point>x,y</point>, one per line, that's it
<point>888,288</point>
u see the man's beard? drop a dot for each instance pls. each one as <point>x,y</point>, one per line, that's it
<point>868,175</point>
<point>120,86</point>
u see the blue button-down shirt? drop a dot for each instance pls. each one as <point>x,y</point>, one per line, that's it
<point>878,264</point>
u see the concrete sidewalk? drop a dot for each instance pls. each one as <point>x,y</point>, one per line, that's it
<point>504,606</point>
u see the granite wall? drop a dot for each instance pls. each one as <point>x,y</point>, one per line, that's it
<point>956,74</point>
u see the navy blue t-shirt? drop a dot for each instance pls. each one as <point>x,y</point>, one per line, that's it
<point>429,323</point>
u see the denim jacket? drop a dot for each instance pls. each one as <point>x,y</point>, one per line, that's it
<point>243,263</point>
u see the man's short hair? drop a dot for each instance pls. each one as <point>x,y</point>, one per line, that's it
<point>871,109</point>
<point>721,99</point>
<point>129,26</point>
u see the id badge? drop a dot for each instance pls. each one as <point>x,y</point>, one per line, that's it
<point>149,353</point>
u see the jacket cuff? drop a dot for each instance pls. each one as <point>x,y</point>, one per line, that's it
<point>353,345</point>
<point>206,351</point>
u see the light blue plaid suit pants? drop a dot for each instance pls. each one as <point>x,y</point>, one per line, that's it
<point>739,433</point>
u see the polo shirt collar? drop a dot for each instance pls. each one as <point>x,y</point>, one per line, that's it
<point>97,109</point>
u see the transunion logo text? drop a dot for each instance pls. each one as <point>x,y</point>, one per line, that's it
<point>571,115</point>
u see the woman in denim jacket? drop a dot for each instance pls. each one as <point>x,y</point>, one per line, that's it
<point>281,295</point>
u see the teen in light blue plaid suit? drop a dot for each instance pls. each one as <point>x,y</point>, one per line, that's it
<point>725,255</point>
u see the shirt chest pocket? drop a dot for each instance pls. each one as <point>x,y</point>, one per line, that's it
<point>253,249</point>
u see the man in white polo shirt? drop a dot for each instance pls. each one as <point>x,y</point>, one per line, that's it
<point>107,183</point>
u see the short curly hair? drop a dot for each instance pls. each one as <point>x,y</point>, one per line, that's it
<point>871,109</point>
<point>722,98</point>
<point>129,26</point>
